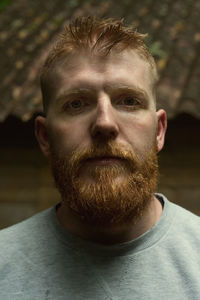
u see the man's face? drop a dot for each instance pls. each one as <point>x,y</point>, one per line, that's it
<point>104,130</point>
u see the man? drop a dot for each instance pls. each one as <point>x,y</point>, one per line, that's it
<point>111,236</point>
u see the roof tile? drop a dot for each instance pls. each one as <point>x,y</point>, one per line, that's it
<point>28,30</point>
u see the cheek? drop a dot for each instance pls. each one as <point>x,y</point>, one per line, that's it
<point>140,132</point>
<point>67,136</point>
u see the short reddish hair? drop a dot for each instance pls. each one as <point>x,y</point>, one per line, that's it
<point>99,37</point>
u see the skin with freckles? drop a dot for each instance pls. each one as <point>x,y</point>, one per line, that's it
<point>95,102</point>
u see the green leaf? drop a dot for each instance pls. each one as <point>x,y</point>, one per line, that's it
<point>4,3</point>
<point>156,49</point>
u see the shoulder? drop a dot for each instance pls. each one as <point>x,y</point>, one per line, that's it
<point>184,226</point>
<point>186,218</point>
<point>25,233</point>
<point>187,222</point>
<point>181,213</point>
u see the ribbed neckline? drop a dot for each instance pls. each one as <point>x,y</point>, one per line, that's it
<point>146,240</point>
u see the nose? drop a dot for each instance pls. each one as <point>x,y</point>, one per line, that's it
<point>104,124</point>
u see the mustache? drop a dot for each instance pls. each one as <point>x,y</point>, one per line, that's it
<point>109,149</point>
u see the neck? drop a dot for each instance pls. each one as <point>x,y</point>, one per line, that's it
<point>113,234</point>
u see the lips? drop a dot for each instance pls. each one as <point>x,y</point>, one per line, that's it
<point>104,160</point>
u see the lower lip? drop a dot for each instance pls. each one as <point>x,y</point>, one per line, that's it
<point>104,161</point>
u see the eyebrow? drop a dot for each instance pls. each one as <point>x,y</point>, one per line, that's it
<point>71,92</point>
<point>123,88</point>
<point>110,88</point>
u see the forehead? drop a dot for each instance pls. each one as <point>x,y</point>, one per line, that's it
<point>97,73</point>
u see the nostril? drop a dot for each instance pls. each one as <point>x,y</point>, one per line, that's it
<point>105,133</point>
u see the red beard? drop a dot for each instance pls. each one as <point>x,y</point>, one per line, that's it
<point>102,200</point>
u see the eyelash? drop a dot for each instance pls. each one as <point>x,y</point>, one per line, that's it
<point>67,105</point>
<point>85,103</point>
<point>123,98</point>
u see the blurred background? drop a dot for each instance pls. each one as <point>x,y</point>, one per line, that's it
<point>27,31</point>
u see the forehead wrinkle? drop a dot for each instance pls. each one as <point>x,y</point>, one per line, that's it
<point>83,77</point>
<point>84,86</point>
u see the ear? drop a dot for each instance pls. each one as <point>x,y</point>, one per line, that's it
<point>42,135</point>
<point>161,128</point>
